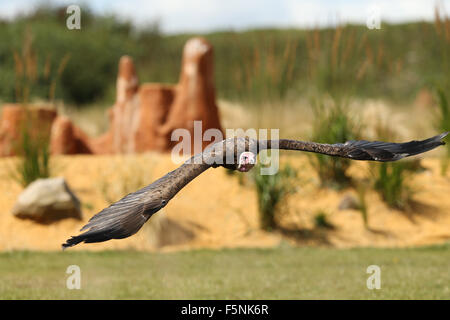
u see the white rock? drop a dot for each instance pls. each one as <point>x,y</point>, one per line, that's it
<point>47,200</point>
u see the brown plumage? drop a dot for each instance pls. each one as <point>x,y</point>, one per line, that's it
<point>126,216</point>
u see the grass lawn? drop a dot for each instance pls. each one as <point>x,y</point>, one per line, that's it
<point>281,273</point>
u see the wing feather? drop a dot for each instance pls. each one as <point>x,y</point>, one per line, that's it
<point>126,216</point>
<point>363,149</point>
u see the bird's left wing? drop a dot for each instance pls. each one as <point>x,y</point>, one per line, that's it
<point>362,149</point>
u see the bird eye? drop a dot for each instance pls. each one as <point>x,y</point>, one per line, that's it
<point>163,202</point>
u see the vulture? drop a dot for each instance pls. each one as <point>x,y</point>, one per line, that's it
<point>126,216</point>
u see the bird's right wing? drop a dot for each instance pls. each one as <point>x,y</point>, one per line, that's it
<point>126,216</point>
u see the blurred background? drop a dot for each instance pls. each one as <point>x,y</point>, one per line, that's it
<point>325,71</point>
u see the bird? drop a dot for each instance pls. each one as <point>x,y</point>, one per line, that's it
<point>126,216</point>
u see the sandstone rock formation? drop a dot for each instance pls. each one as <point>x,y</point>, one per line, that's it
<point>195,98</point>
<point>143,116</point>
<point>66,138</point>
<point>47,200</point>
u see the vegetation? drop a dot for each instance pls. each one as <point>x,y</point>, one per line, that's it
<point>255,65</point>
<point>390,179</point>
<point>333,124</point>
<point>281,273</point>
<point>271,191</point>
<point>34,160</point>
<point>321,221</point>
<point>33,142</point>
<point>442,124</point>
<point>363,205</point>
<point>390,182</point>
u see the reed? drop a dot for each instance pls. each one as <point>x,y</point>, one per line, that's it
<point>32,146</point>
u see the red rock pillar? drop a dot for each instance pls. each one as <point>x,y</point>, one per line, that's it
<point>154,105</point>
<point>195,97</point>
<point>124,113</point>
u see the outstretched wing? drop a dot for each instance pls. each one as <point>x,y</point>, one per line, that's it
<point>120,220</point>
<point>126,216</point>
<point>363,150</point>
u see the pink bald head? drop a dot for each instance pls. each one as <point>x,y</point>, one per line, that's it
<point>247,161</point>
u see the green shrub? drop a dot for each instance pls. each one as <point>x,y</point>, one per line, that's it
<point>271,191</point>
<point>332,124</point>
<point>321,221</point>
<point>390,180</point>
<point>442,124</point>
<point>34,158</point>
<point>362,203</point>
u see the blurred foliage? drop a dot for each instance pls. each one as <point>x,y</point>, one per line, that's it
<point>442,124</point>
<point>333,123</point>
<point>363,206</point>
<point>390,180</point>
<point>255,65</point>
<point>34,155</point>
<point>94,53</point>
<point>272,190</point>
<point>321,220</point>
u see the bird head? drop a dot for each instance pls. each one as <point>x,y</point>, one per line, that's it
<point>247,161</point>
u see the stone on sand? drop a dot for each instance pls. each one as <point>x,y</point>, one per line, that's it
<point>46,201</point>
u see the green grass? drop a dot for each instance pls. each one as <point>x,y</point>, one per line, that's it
<point>281,273</point>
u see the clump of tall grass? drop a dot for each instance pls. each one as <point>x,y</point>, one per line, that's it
<point>442,124</point>
<point>33,73</point>
<point>390,179</point>
<point>34,158</point>
<point>271,191</point>
<point>362,203</point>
<point>339,59</point>
<point>442,83</point>
<point>267,72</point>
<point>32,146</point>
<point>333,124</point>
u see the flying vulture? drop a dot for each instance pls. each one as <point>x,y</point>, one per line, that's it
<point>126,216</point>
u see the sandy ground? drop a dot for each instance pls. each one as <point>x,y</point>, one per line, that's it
<point>216,211</point>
